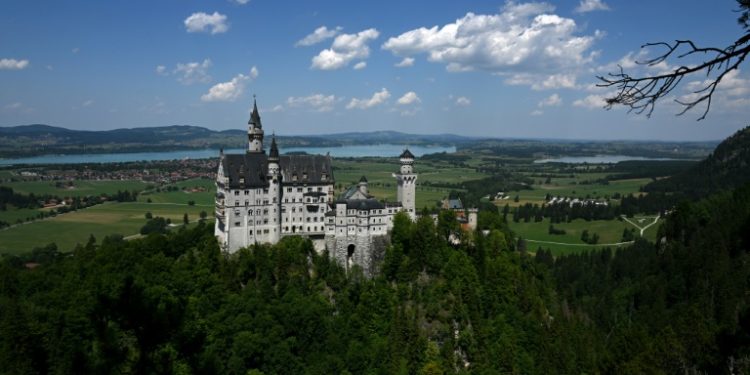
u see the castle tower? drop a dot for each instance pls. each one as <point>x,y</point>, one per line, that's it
<point>407,181</point>
<point>274,190</point>
<point>254,131</point>
<point>362,186</point>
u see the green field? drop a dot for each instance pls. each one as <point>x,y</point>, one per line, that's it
<point>565,187</point>
<point>80,187</point>
<point>609,231</point>
<point>66,230</point>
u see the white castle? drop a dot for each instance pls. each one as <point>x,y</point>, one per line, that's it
<point>261,198</point>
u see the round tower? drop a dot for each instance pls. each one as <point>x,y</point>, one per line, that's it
<point>407,182</point>
<point>254,131</point>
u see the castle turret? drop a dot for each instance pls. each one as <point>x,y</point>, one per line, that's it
<point>274,190</point>
<point>254,131</point>
<point>362,186</point>
<point>407,181</point>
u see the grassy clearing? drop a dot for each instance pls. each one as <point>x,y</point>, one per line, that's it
<point>609,231</point>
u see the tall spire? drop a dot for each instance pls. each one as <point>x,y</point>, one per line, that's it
<point>274,153</point>
<point>255,117</point>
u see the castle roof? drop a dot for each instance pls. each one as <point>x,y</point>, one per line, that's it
<point>362,204</point>
<point>274,153</point>
<point>295,169</point>
<point>255,116</point>
<point>363,179</point>
<point>406,154</point>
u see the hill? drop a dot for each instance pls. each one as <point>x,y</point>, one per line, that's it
<point>38,139</point>
<point>727,168</point>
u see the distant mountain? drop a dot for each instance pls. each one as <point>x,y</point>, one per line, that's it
<point>727,168</point>
<point>37,139</point>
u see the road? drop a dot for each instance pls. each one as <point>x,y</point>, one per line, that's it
<point>643,229</point>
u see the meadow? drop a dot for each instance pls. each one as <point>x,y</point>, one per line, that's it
<point>67,230</point>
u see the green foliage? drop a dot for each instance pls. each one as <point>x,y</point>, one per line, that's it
<point>174,303</point>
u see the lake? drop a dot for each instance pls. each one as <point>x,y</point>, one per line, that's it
<point>384,150</point>
<point>596,159</point>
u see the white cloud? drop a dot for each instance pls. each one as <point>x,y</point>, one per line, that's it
<point>411,111</point>
<point>202,22</point>
<point>591,102</point>
<point>542,82</point>
<point>193,72</point>
<point>87,103</point>
<point>17,107</point>
<point>241,2</point>
<point>406,62</point>
<point>75,50</point>
<point>345,48</point>
<point>360,65</point>
<point>364,103</point>
<point>590,6</point>
<point>161,70</point>
<point>536,112</point>
<point>13,64</point>
<point>553,100</point>
<point>315,102</point>
<point>230,91</point>
<point>320,34</point>
<point>409,98</point>
<point>277,108</point>
<point>523,39</point>
<point>463,101</point>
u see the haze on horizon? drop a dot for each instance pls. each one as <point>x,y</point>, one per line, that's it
<point>475,68</point>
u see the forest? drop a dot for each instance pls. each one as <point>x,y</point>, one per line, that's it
<point>173,303</point>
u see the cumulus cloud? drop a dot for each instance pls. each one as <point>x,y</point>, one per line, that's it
<point>161,70</point>
<point>230,91</point>
<point>536,112</point>
<point>553,100</point>
<point>241,2</point>
<point>320,34</point>
<point>406,62</point>
<point>591,5</point>
<point>215,23</point>
<point>360,65</point>
<point>463,101</point>
<point>409,98</point>
<point>345,48</point>
<point>315,102</point>
<point>592,101</point>
<point>87,103</point>
<point>523,39</point>
<point>193,72</point>
<point>364,103</point>
<point>13,64</point>
<point>277,108</point>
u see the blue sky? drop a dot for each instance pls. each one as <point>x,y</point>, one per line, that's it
<point>478,68</point>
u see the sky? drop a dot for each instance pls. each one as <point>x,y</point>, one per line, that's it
<point>508,69</point>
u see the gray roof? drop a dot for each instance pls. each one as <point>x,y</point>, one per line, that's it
<point>406,154</point>
<point>253,167</point>
<point>362,204</point>
<point>455,204</point>
<point>313,166</point>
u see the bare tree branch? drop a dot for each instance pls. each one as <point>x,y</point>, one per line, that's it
<point>642,93</point>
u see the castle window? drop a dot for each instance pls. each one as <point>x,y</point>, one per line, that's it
<point>236,223</point>
<point>294,177</point>
<point>247,192</point>
<point>236,192</point>
<point>236,203</point>
<point>265,221</point>
<point>304,176</point>
<point>299,189</point>
<point>242,180</point>
<point>265,211</point>
<point>288,190</point>
<point>274,199</point>
<point>265,191</point>
<point>323,177</point>
<point>265,201</point>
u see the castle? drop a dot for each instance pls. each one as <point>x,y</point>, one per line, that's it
<point>261,198</point>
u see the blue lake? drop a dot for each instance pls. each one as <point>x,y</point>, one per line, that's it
<point>384,150</point>
<point>596,159</point>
